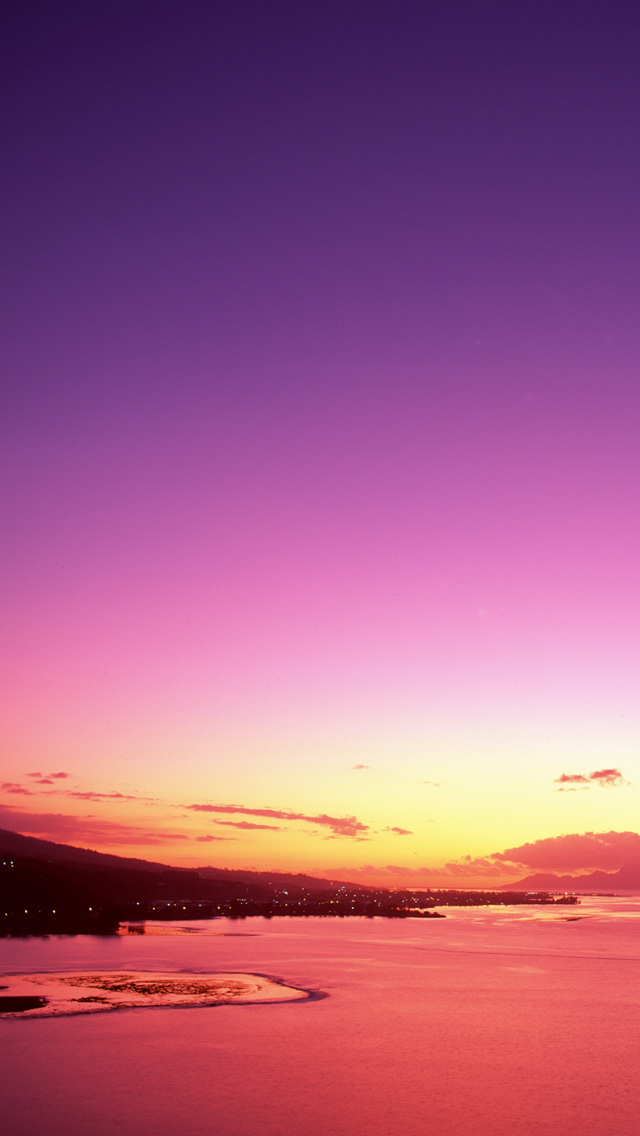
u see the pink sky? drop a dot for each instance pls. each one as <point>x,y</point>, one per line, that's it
<point>320,434</point>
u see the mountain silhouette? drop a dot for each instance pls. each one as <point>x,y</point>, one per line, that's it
<point>627,878</point>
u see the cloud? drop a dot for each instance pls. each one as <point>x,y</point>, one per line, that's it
<point>12,787</point>
<point>585,851</point>
<point>575,853</point>
<point>208,839</point>
<point>76,794</point>
<point>396,871</point>
<point>605,778</point>
<point>608,777</point>
<point>90,795</point>
<point>246,824</point>
<point>463,874</point>
<point>47,778</point>
<point>398,831</point>
<point>340,826</point>
<point>479,866</point>
<point>361,767</point>
<point>85,830</point>
<point>436,784</point>
<point>571,779</point>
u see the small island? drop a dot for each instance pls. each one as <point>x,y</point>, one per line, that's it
<point>62,994</point>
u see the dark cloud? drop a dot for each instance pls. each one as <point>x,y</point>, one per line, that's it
<point>361,767</point>
<point>605,778</point>
<point>398,831</point>
<point>340,826</point>
<point>208,839</point>
<point>12,787</point>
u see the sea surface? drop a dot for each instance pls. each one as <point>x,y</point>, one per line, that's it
<point>490,1022</point>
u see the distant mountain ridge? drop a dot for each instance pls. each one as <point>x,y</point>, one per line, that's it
<point>32,847</point>
<point>627,878</point>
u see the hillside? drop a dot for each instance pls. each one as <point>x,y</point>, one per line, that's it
<point>35,849</point>
<point>49,888</point>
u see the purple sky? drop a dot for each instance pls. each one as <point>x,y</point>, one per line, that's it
<point>321,408</point>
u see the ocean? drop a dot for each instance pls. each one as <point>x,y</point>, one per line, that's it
<point>490,1022</point>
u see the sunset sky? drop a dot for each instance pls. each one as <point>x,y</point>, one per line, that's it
<point>321,433</point>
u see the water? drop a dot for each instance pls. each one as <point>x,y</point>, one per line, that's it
<point>498,1022</point>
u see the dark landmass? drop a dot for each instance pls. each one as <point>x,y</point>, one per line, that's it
<point>31,847</point>
<point>54,889</point>
<point>16,1004</point>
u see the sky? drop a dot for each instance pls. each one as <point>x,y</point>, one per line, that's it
<point>320,420</point>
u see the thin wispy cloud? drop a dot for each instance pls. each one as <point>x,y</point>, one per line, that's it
<point>91,795</point>
<point>33,789</point>
<point>48,778</point>
<point>247,825</point>
<point>14,787</point>
<point>479,866</point>
<point>340,826</point>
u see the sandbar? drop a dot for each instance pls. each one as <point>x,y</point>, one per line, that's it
<point>63,993</point>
